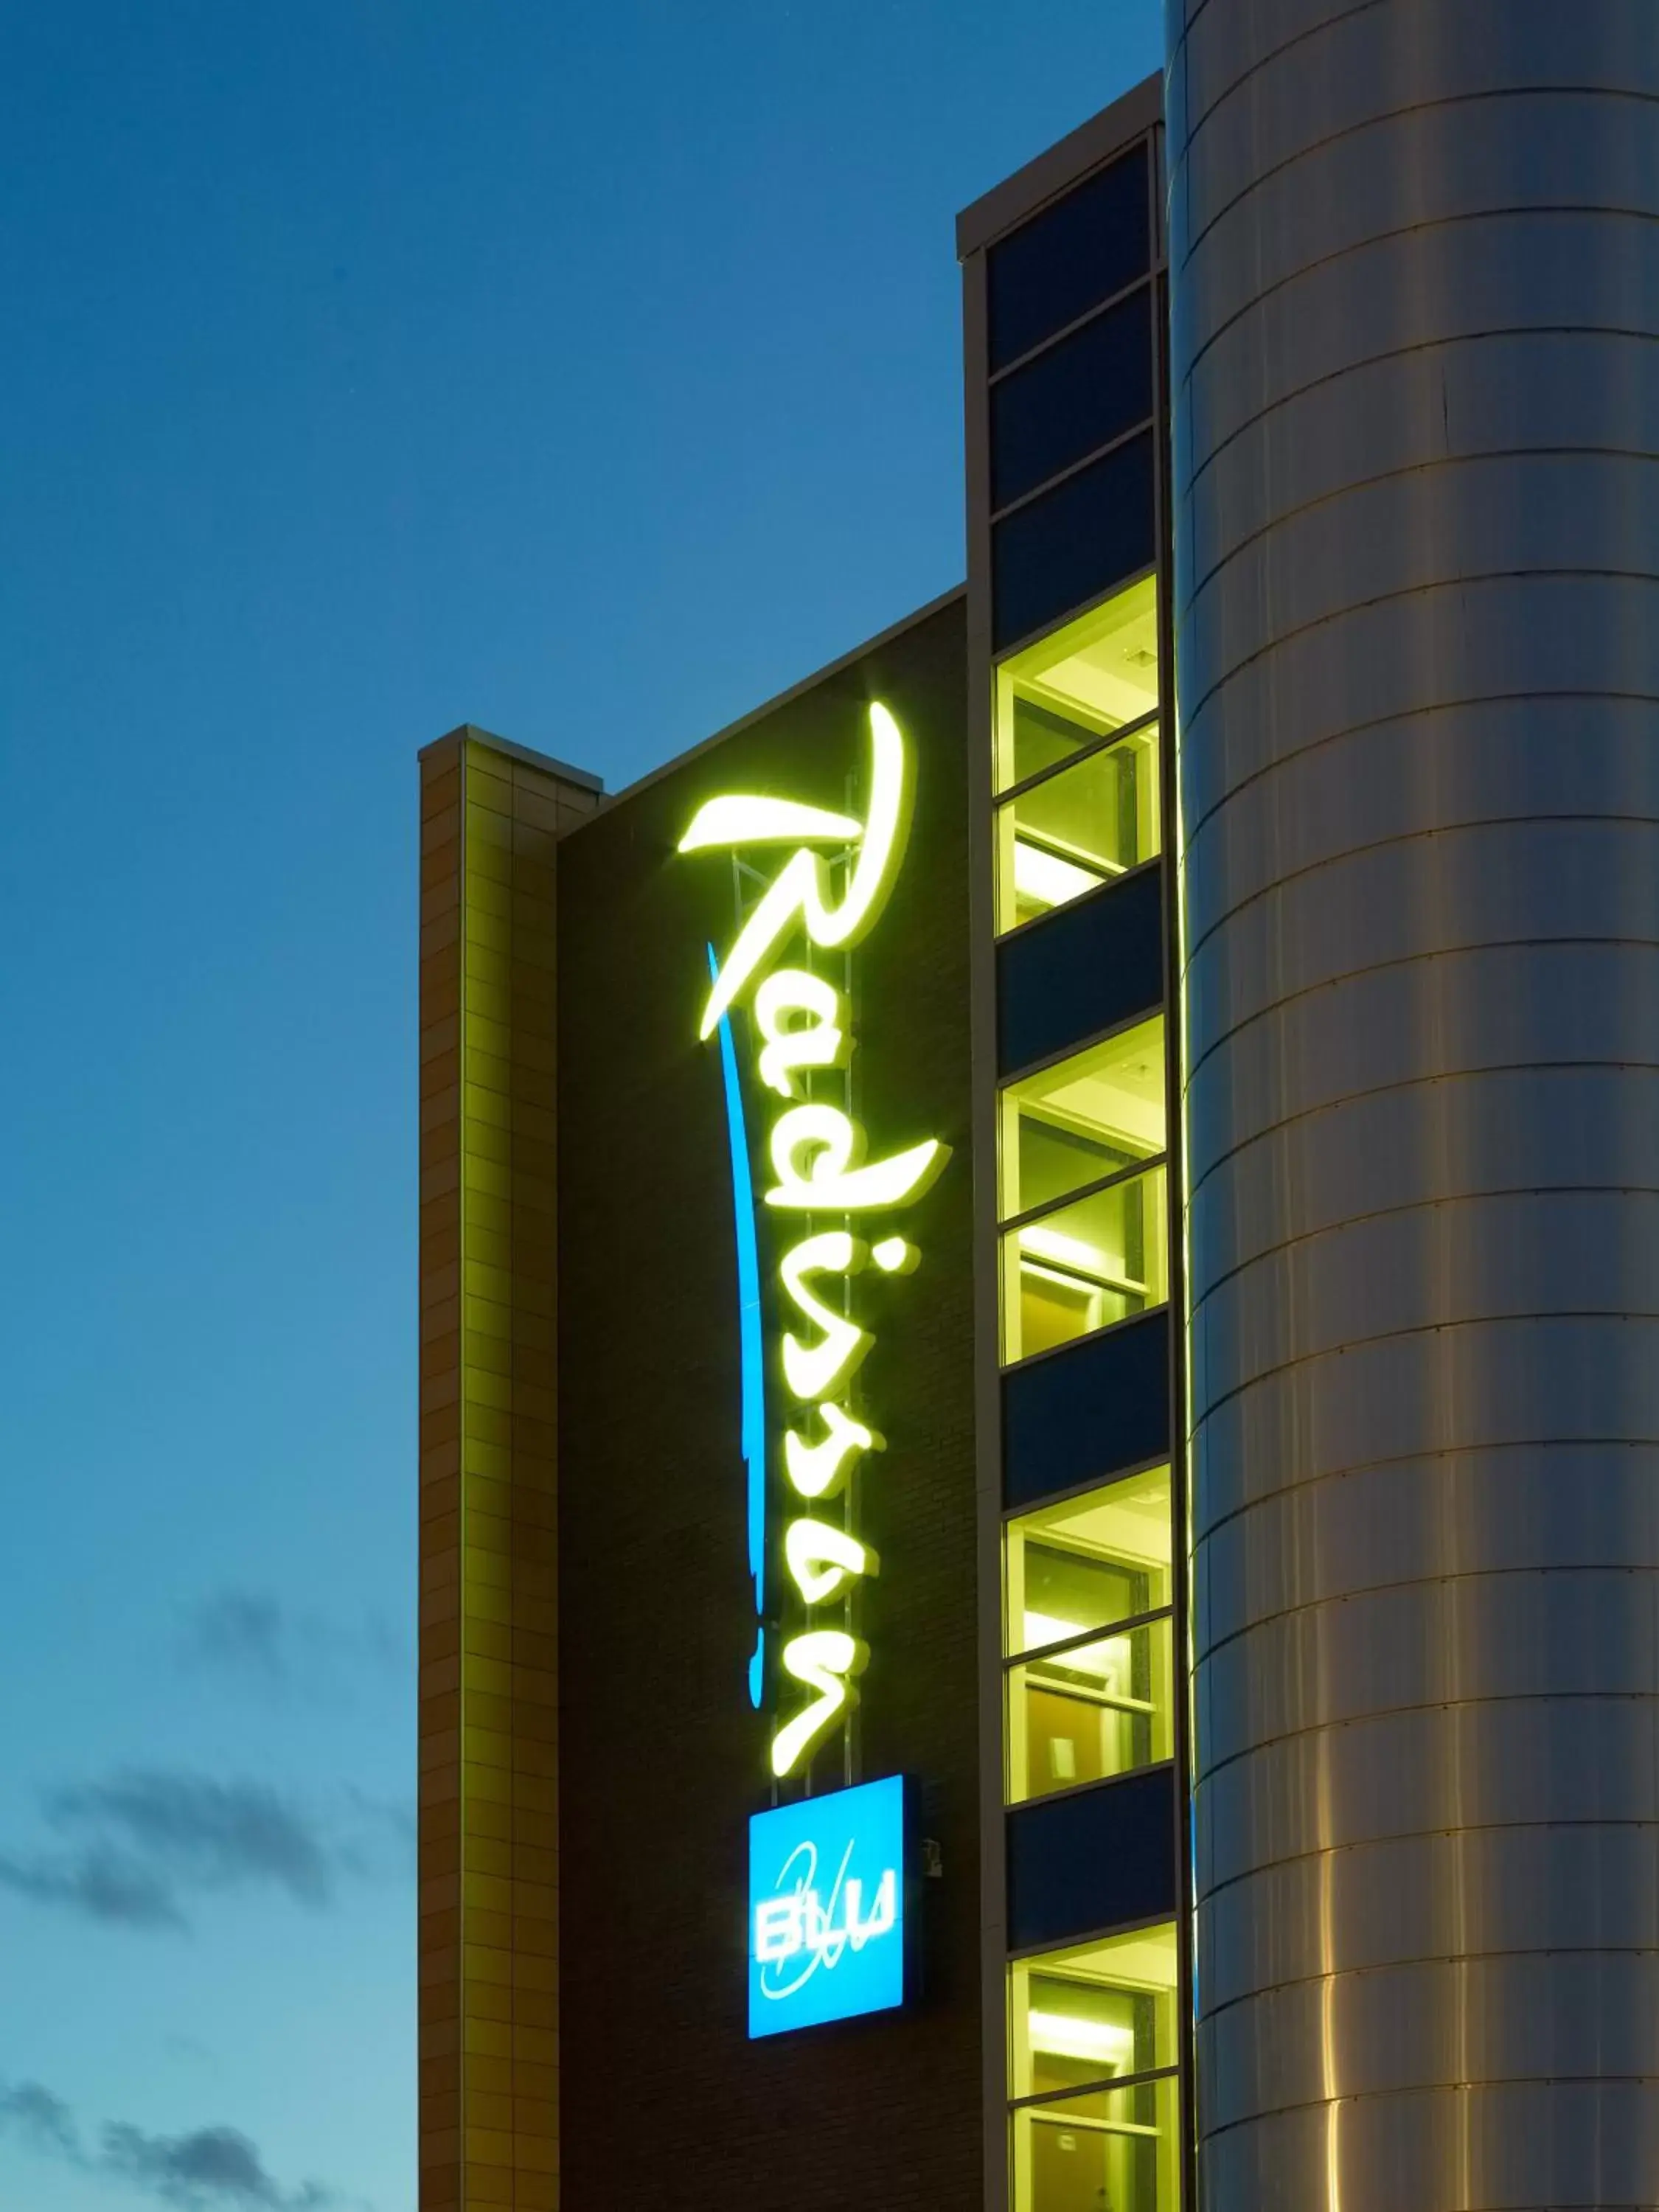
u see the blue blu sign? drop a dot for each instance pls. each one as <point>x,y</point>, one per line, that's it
<point>826,1908</point>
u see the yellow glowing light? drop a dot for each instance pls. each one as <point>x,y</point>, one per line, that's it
<point>822,1041</point>
<point>818,1470</point>
<point>740,818</point>
<point>811,1370</point>
<point>803,890</point>
<point>1062,2035</point>
<point>1067,1251</point>
<point>823,1660</point>
<point>829,1180</point>
<point>894,1256</point>
<point>1047,879</point>
<point>831,889</point>
<point>821,1557</point>
<point>1109,1658</point>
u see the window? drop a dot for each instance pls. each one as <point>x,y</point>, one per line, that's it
<point>1087,1636</point>
<point>1092,2060</point>
<point>1083,1119</point>
<point>1072,399</point>
<point>1071,256</point>
<point>1082,1185</point>
<point>1077,747</point>
<point>1085,1266</point>
<point>1085,535</point>
<point>1089,967</point>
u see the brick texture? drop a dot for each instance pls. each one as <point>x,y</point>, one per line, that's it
<point>663,2101</point>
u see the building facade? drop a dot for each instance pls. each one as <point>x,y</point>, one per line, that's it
<point>1037,1478</point>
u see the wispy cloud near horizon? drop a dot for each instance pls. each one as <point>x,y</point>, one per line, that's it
<point>252,1636</point>
<point>139,1849</point>
<point>211,2169</point>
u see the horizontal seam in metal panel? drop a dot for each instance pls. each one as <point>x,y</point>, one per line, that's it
<point>1574,1188</point>
<point>1356,1344</point>
<point>1503,455</point>
<point>1530,2083</point>
<point>1458,706</point>
<point>1263,62</point>
<point>1425,1205</point>
<point>1229,916</point>
<point>1426,1705</point>
<point>1408,1836</point>
<point>1451,99</point>
<point>1402,960</point>
<point>1439,223</point>
<point>1452,1959</point>
<point>1587,332</point>
<point>1282,638</point>
<point>1407,1582</point>
<point>1414,1458</point>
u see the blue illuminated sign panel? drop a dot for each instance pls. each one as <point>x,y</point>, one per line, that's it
<point>826,1908</point>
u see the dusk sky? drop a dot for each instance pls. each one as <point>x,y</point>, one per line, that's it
<point>590,375</point>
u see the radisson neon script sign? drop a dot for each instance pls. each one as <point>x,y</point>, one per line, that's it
<point>816,1154</point>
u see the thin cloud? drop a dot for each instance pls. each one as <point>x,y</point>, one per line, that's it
<point>208,1835</point>
<point>240,1630</point>
<point>216,2169</point>
<point>251,1636</point>
<point>211,2166</point>
<point>34,2117</point>
<point>97,1883</point>
<point>140,1849</point>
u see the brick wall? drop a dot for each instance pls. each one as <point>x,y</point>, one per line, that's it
<point>665,2102</point>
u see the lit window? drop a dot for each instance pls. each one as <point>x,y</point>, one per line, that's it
<point>1083,1119</point>
<point>1077,746</point>
<point>1083,1193</point>
<point>1092,2062</point>
<point>1085,1266</point>
<point>1088,1638</point>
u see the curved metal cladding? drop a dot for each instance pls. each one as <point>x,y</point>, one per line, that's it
<point>1415,265</point>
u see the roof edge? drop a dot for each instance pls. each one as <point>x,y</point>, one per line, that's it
<point>584,778</point>
<point>1061,166</point>
<point>794,691</point>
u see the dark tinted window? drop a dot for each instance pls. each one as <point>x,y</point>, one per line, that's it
<point>1081,394</point>
<point>1072,543</point>
<point>1098,1859</point>
<point>1068,259</point>
<point>1086,1413</point>
<point>1082,968</point>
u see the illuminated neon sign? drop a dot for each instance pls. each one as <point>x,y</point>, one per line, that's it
<point>830,889</point>
<point>826,1908</point>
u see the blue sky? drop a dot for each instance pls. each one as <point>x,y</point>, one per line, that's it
<point>371,366</point>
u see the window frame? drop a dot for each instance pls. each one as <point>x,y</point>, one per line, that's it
<point>1076,617</point>
<point>1008,1232</point>
<point>1032,2102</point>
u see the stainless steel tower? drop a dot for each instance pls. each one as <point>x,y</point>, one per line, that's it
<point>1415,256</point>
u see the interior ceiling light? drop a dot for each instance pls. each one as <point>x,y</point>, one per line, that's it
<point>1046,876</point>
